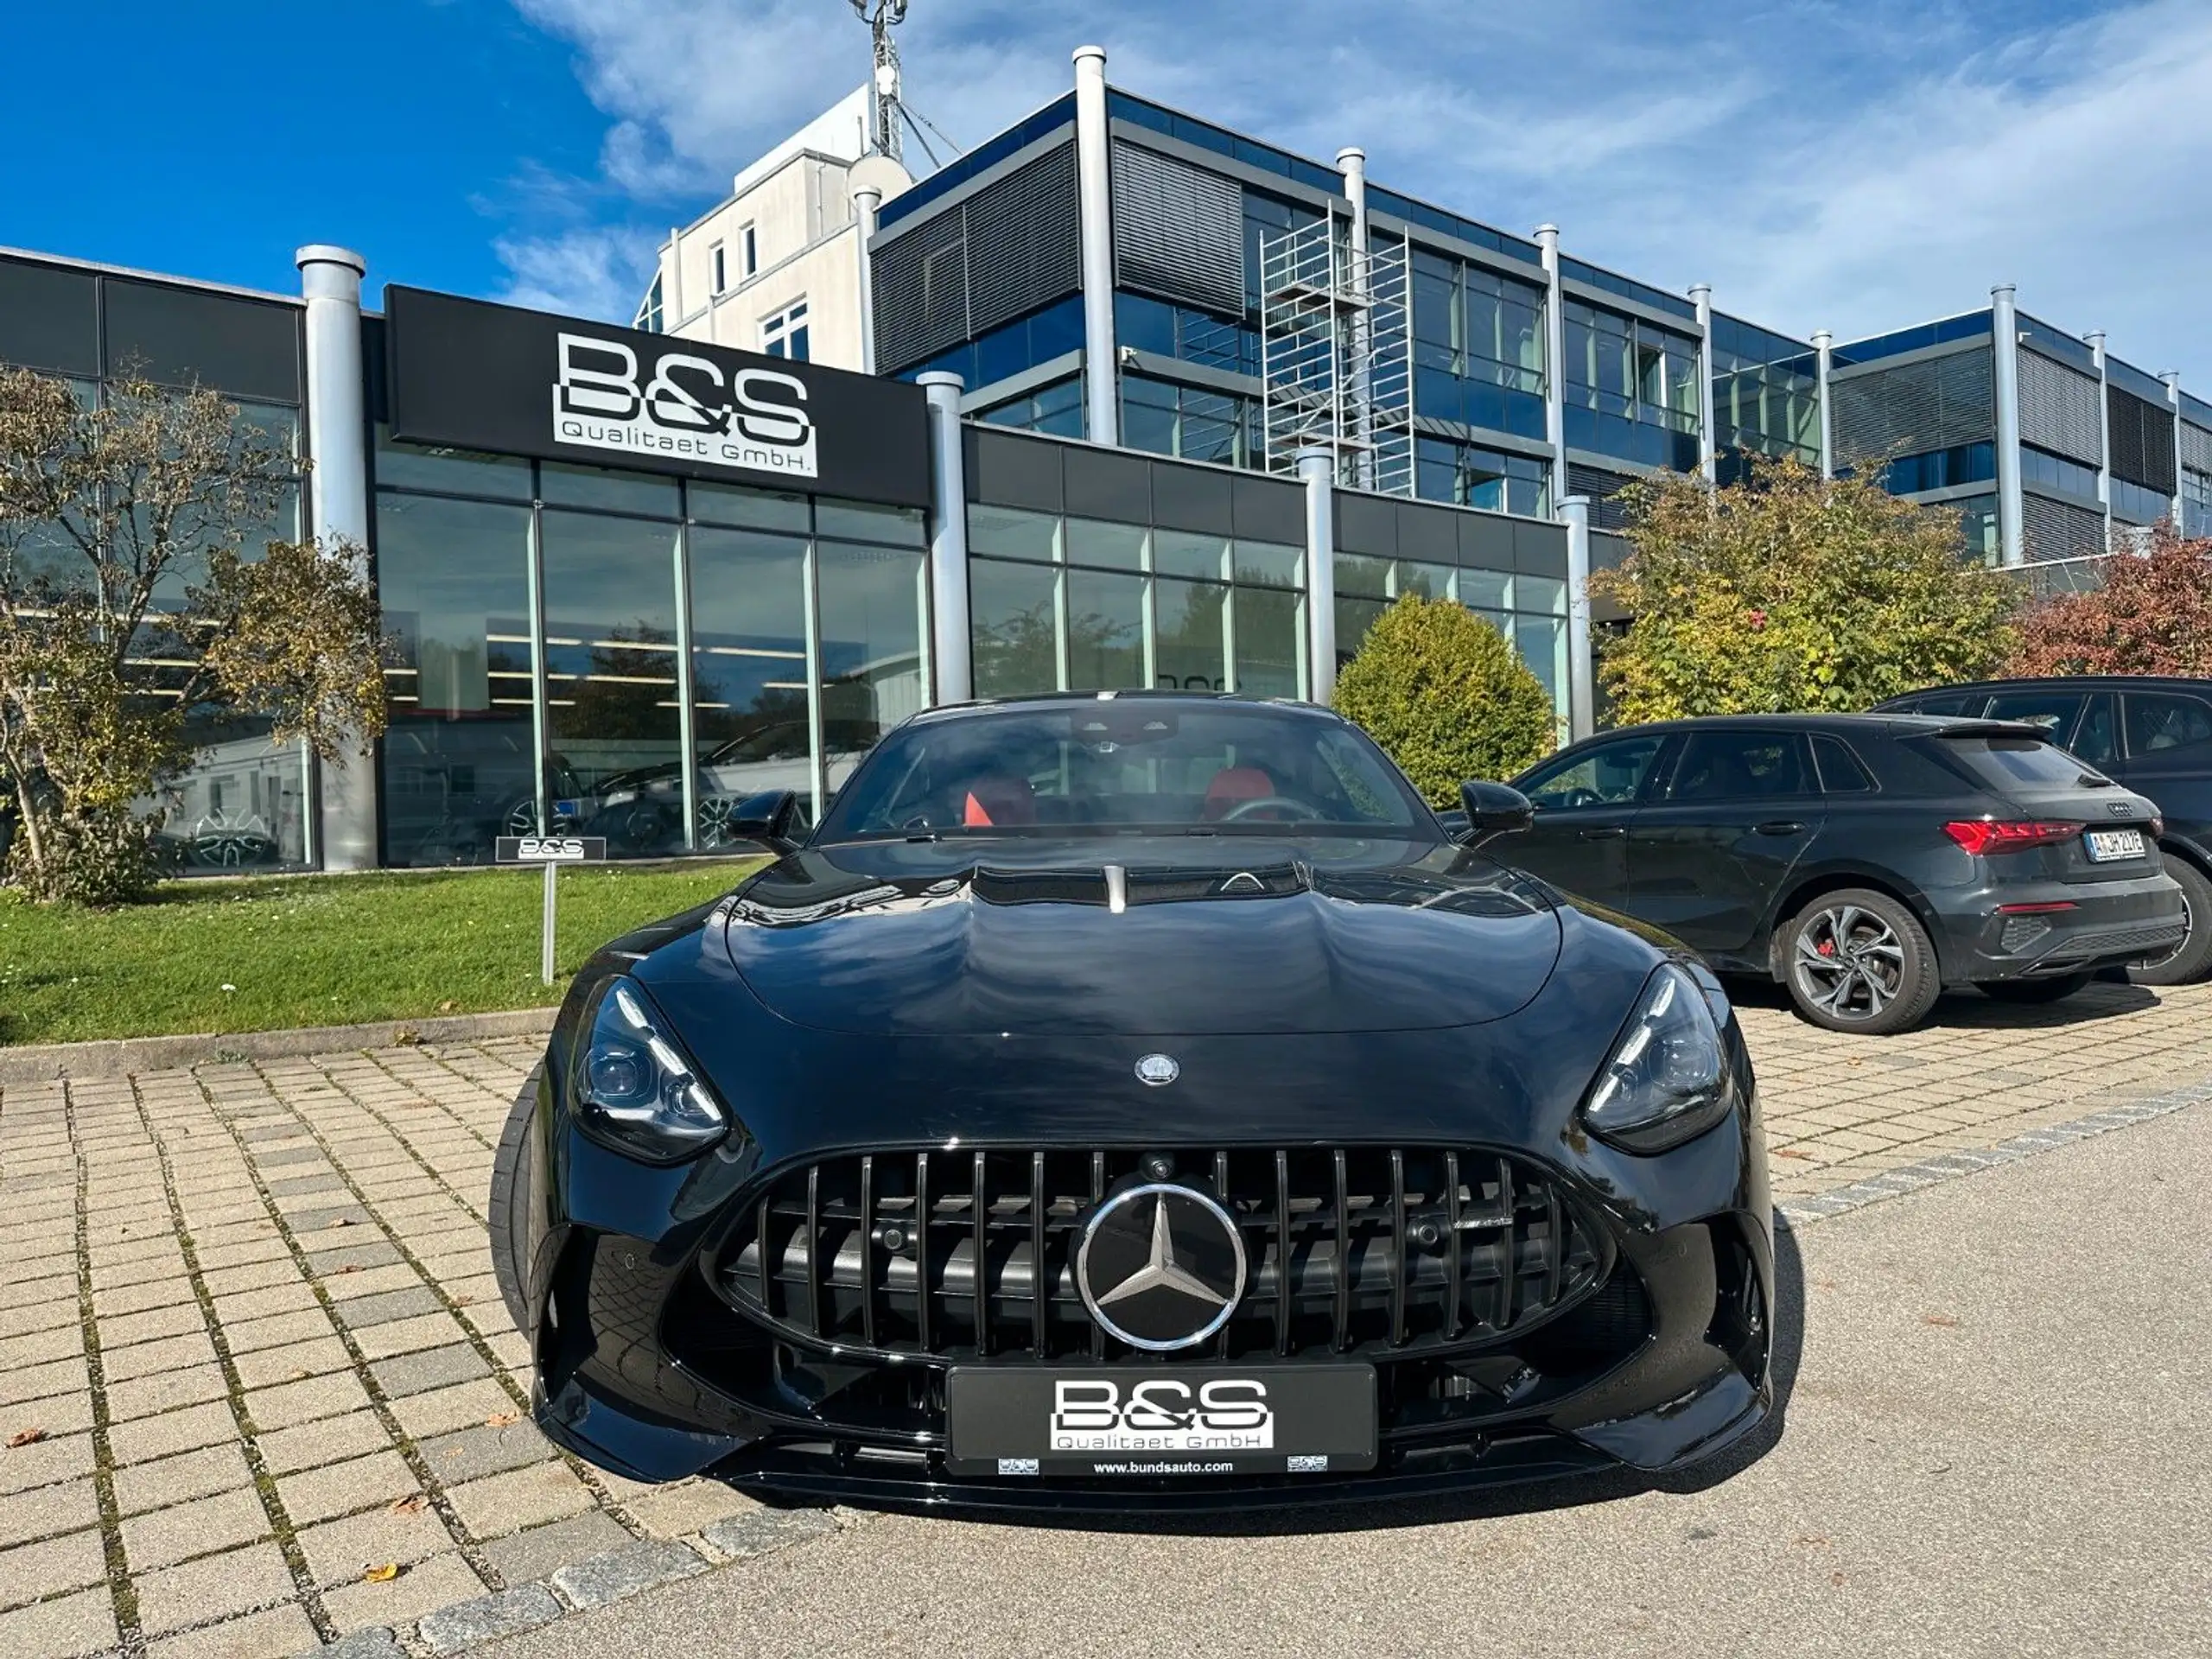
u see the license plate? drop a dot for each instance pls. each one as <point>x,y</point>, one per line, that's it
<point>1136,1421</point>
<point>2106,845</point>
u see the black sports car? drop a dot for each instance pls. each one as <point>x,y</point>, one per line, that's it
<point>1140,1102</point>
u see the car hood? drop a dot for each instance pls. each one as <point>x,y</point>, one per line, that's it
<point>1224,936</point>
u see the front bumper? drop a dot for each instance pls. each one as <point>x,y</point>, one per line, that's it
<point>2106,924</point>
<point>644,1370</point>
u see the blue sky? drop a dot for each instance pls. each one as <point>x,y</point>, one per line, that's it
<point>1858,165</point>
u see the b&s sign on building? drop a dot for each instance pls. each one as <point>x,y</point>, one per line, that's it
<point>470,375</point>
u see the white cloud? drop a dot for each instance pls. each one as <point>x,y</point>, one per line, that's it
<point>1857,164</point>
<point>584,270</point>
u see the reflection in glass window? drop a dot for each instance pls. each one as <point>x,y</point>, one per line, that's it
<point>726,504</point>
<point>1115,547</point>
<point>1191,648</point>
<point>873,613</point>
<point>1105,630</point>
<point>1010,533</point>
<point>458,756</point>
<point>611,709</point>
<point>453,472</point>
<point>1270,623</point>
<point>564,486</point>
<point>1014,629</point>
<point>1188,553</point>
<point>865,521</point>
<point>748,668</point>
<point>1610,774</point>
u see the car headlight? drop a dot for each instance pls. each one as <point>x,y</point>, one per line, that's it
<point>1668,1079</point>
<point>632,1085</point>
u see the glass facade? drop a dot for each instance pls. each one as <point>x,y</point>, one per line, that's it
<point>625,655</point>
<point>1067,603</point>
<point>1056,410</point>
<point>1938,469</point>
<point>1631,389</point>
<point>1766,393</point>
<point>1469,475</point>
<point>1191,423</point>
<point>1478,347</point>
<point>1529,610</point>
<point>1012,348</point>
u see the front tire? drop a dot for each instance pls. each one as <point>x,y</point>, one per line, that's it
<point>1858,960</point>
<point>2194,954</point>
<point>507,1212</point>
<point>2035,992</point>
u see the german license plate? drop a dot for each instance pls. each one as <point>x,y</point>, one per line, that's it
<point>1111,1420</point>
<point>2108,845</point>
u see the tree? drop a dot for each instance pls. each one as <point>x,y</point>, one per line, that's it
<point>2153,615</point>
<point>1444,695</point>
<point>1789,592</point>
<point>132,612</point>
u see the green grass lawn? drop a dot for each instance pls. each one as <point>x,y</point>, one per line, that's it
<point>316,950</point>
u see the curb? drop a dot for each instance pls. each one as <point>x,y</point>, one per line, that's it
<point>1797,1213</point>
<point>121,1056</point>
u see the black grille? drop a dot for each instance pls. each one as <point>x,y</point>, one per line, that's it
<point>2142,440</point>
<point>1389,1251</point>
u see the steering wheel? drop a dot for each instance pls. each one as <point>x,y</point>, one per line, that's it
<point>1263,802</point>
<point>1567,799</point>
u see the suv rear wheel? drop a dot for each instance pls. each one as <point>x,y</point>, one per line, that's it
<point>2194,954</point>
<point>1858,960</point>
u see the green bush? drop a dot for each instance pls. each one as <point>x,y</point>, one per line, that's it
<point>1444,695</point>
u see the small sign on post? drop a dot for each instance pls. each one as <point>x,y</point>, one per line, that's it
<point>552,852</point>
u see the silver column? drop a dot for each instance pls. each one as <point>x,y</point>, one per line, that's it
<point>1101,400</point>
<point>1351,163</point>
<point>1824,354</point>
<point>338,505</point>
<point>1555,362</point>
<point>2096,343</point>
<point>672,294</point>
<point>1317,466</point>
<point>2172,377</point>
<point>866,200</point>
<point>1709,450</point>
<point>2005,337</point>
<point>1581,666</point>
<point>948,522</point>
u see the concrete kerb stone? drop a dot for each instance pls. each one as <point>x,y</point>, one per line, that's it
<point>1953,1166</point>
<point>123,1056</point>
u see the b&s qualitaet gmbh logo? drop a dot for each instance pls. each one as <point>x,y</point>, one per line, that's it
<point>755,420</point>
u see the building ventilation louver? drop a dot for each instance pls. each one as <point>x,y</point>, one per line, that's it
<point>1607,512</point>
<point>2196,448</point>
<point>2058,409</point>
<point>1006,250</point>
<point>2142,440</point>
<point>2052,529</point>
<point>1937,403</point>
<point>1178,231</point>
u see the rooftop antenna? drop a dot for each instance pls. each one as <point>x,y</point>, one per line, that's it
<point>882,17</point>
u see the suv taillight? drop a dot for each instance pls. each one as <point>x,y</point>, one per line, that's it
<point>1980,835</point>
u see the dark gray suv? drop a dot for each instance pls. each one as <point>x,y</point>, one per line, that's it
<point>1866,862</point>
<point>2154,734</point>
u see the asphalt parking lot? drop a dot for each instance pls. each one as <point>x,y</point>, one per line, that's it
<point>262,1396</point>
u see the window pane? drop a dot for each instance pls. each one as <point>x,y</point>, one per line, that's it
<point>1270,564</point>
<point>748,668</point>
<point>861,522</point>
<point>1093,541</point>
<point>461,472</point>
<point>1542,642</point>
<point>1181,553</point>
<point>1190,650</point>
<point>1740,766</point>
<point>872,622</point>
<point>1486,590</point>
<point>1105,631</point>
<point>239,806</point>
<point>726,504</point>
<point>2159,724</point>
<point>1369,578</point>
<point>610,676</point>
<point>1609,775</point>
<point>455,581</point>
<point>1541,596</point>
<point>1428,580</point>
<point>1007,532</point>
<point>595,486</point>
<point>2055,711</point>
<point>1841,771</point>
<point>1011,627</point>
<point>1270,635</point>
<point>1355,616</point>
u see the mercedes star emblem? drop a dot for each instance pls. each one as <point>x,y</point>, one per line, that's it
<point>1161,1266</point>
<point>1157,1069</point>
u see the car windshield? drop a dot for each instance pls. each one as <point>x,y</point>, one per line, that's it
<point>1135,764</point>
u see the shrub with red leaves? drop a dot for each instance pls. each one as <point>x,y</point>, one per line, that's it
<point>2153,615</point>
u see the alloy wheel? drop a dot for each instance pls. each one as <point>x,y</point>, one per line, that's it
<point>1849,963</point>
<point>2188,929</point>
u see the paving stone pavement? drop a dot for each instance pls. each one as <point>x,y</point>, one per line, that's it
<point>258,1392</point>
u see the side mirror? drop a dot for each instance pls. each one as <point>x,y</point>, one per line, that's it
<point>1493,810</point>
<point>771,818</point>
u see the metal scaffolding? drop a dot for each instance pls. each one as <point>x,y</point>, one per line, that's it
<point>1336,352</point>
